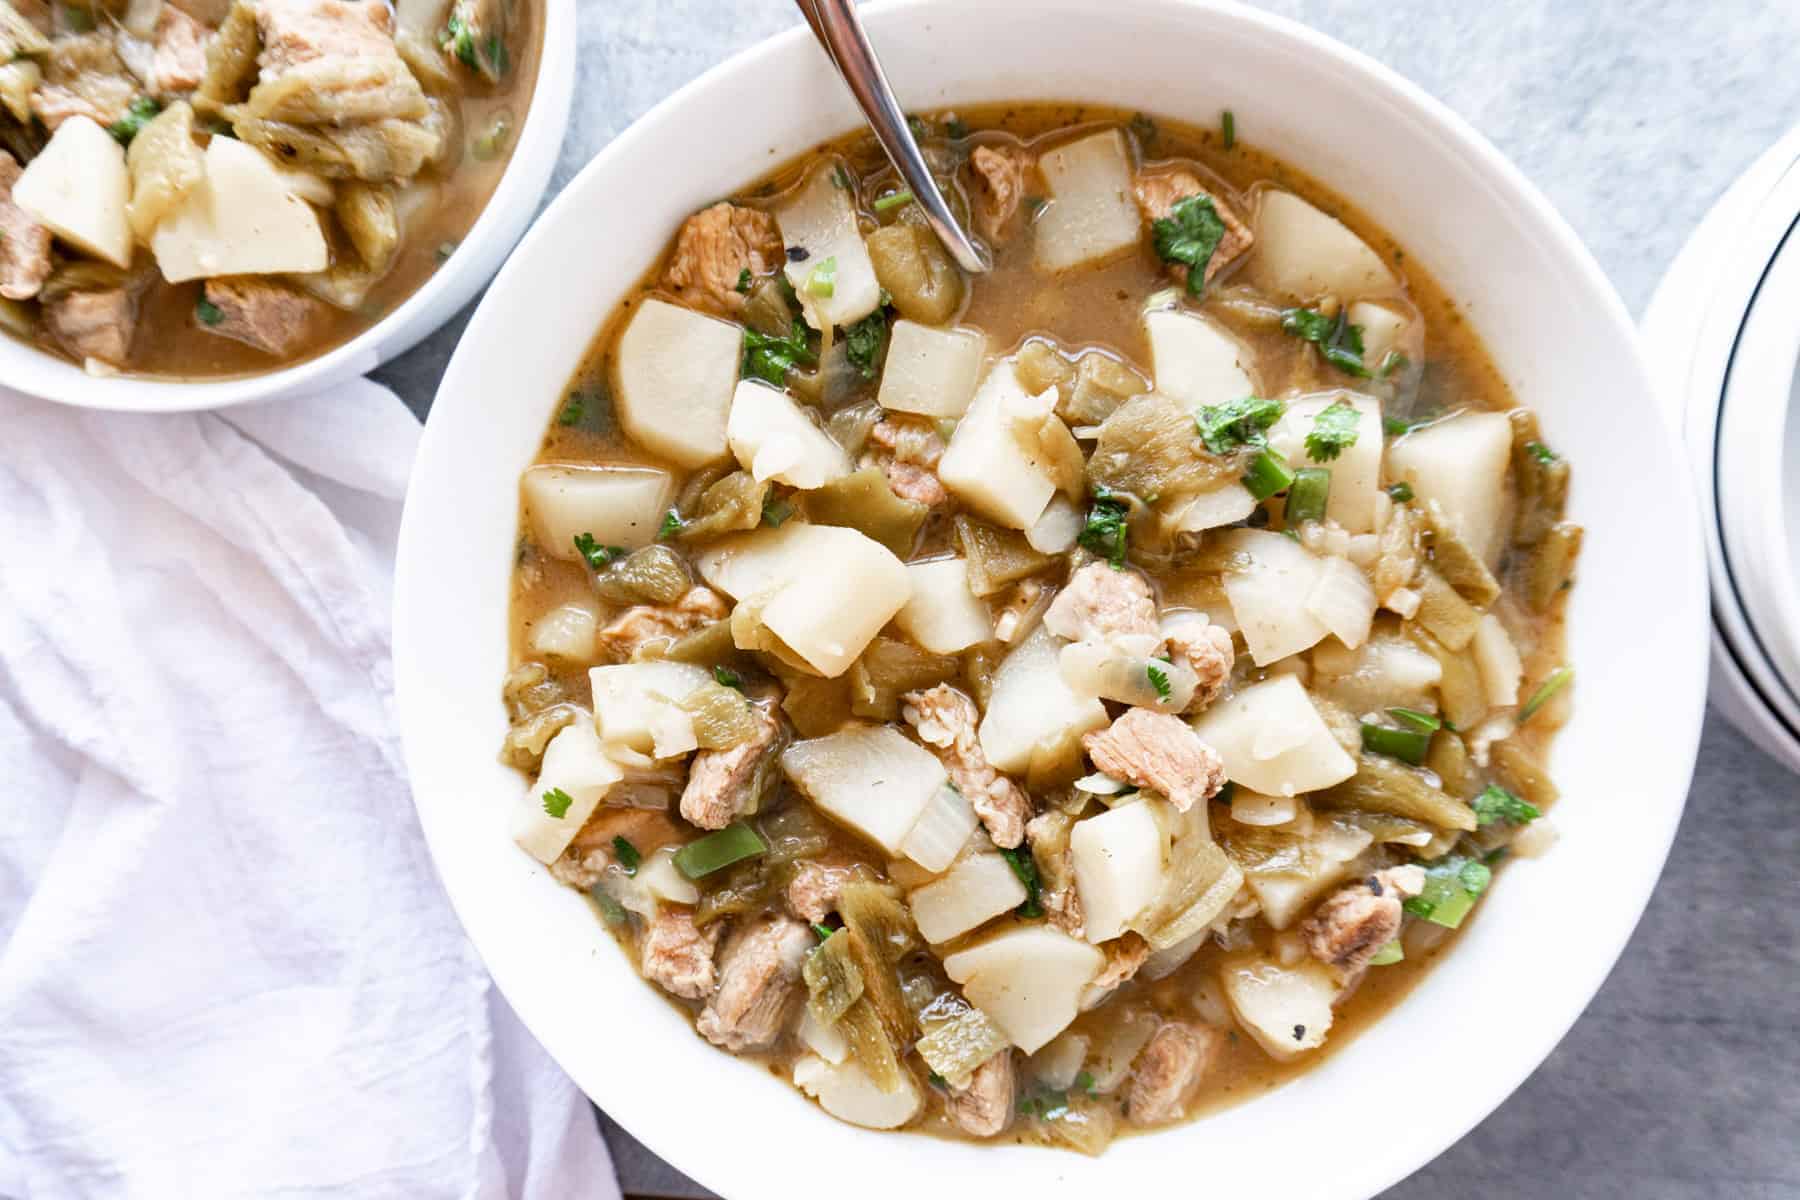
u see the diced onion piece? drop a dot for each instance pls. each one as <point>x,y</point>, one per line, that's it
<point>1056,1066</point>
<point>942,830</point>
<point>576,766</point>
<point>1034,721</point>
<point>1304,758</point>
<point>1461,463</point>
<point>1059,527</point>
<point>1498,661</point>
<point>1303,254</point>
<point>932,372</point>
<point>1165,962</point>
<point>870,777</point>
<point>825,591</point>
<point>824,1040</point>
<point>566,632</point>
<point>637,705</point>
<point>1118,863</point>
<point>1098,669</point>
<point>1254,808</point>
<point>659,874</point>
<point>1092,214</point>
<point>1044,439</point>
<point>977,889</point>
<point>774,439</point>
<point>617,506</point>
<point>817,217</point>
<point>1268,589</point>
<point>1098,784</point>
<point>1343,601</point>
<point>78,188</point>
<point>1213,510</point>
<point>676,369</point>
<point>1119,1046</point>
<point>942,615</point>
<point>1535,839</point>
<point>1385,331</point>
<point>1195,361</point>
<point>243,219</point>
<point>846,1092</point>
<point>986,465</point>
<point>1355,472</point>
<point>1029,979</point>
<point>1286,1009</point>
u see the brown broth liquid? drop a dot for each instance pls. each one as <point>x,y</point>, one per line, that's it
<point>1095,307</point>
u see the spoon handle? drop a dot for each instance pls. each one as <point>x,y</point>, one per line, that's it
<point>841,32</point>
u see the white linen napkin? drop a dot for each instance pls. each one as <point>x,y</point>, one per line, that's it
<point>227,967</point>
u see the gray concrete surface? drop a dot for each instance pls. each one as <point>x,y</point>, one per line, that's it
<point>1683,1080</point>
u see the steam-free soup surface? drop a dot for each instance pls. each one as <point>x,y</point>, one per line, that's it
<point>1051,704</point>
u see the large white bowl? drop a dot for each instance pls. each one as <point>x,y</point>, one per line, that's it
<point>1486,1016</point>
<point>478,255</point>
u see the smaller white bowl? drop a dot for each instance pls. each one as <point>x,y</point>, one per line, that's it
<point>453,285</point>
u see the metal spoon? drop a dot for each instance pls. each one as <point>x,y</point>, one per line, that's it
<point>840,31</point>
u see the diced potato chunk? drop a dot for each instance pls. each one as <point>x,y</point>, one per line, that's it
<point>638,705</point>
<point>566,632</point>
<point>663,879</point>
<point>825,591</point>
<point>1034,720</point>
<point>576,765</point>
<point>243,220</point>
<point>78,188</point>
<point>619,506</point>
<point>774,439</point>
<point>987,466</point>
<point>1355,472</point>
<point>846,1092</point>
<point>977,889</point>
<point>1213,510</point>
<point>676,371</point>
<point>930,371</point>
<point>1092,214</point>
<point>1059,528</point>
<point>1343,601</point>
<point>1118,860</point>
<point>165,166</point>
<point>943,616</point>
<point>1268,590</point>
<point>1461,463</point>
<point>1498,661</point>
<point>1286,1009</point>
<point>1272,740</point>
<point>1195,361</point>
<point>819,219</point>
<point>870,777</point>
<point>1385,329</point>
<point>1029,979</point>
<point>942,830</point>
<point>1325,859</point>
<point>1303,254</point>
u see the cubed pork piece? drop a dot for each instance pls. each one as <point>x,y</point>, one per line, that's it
<point>1160,752</point>
<point>1168,1069</point>
<point>814,890</point>
<point>713,250</point>
<point>179,61</point>
<point>946,720</point>
<point>1157,195</point>
<point>295,32</point>
<point>985,1107</point>
<point>1351,925</point>
<point>723,784</point>
<point>1103,605</point>
<point>83,77</point>
<point>1208,651</point>
<point>98,325</point>
<point>644,624</point>
<point>677,955</point>
<point>759,977</point>
<point>999,187</point>
<point>24,244</point>
<point>257,312</point>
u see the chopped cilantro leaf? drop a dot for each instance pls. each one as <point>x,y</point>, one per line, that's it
<point>1022,865</point>
<point>770,358</point>
<point>863,342</point>
<point>1159,679</point>
<point>207,312</point>
<point>728,678</point>
<point>775,511</point>
<point>1497,804</point>
<point>556,803</point>
<point>1338,340</point>
<point>1392,361</point>
<point>572,411</point>
<point>1107,532</point>
<point>918,126</point>
<point>957,128</point>
<point>1225,427</point>
<point>743,283</point>
<point>938,1081</point>
<point>1333,431</point>
<point>1085,1082</point>
<point>1401,492</point>
<point>142,111</point>
<point>598,557</point>
<point>459,39</point>
<point>1542,453</point>
<point>627,854</point>
<point>671,525</point>
<point>822,932</point>
<point>1189,235</point>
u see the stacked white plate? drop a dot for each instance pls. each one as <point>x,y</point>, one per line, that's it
<point>1722,335</point>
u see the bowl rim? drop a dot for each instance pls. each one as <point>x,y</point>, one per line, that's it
<point>470,267</point>
<point>1686,663</point>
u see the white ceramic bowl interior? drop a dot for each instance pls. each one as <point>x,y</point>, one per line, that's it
<point>1546,937</point>
<point>453,285</point>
